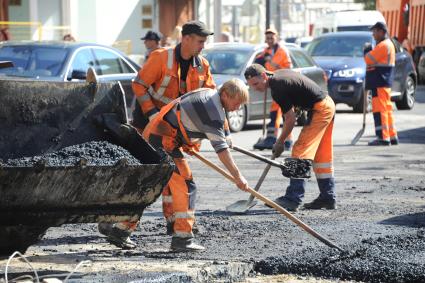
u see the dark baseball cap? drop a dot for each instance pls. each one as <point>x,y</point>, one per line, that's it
<point>196,27</point>
<point>152,35</point>
<point>253,71</point>
<point>379,25</point>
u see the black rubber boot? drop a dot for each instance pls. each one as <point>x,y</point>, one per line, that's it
<point>293,196</point>
<point>287,204</point>
<point>327,197</point>
<point>379,142</point>
<point>321,203</point>
<point>117,237</point>
<point>185,245</point>
<point>267,143</point>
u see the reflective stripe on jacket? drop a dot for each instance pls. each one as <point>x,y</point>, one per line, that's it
<point>158,82</point>
<point>380,65</point>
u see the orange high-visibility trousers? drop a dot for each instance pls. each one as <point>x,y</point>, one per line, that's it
<point>315,140</point>
<point>382,109</point>
<point>180,193</point>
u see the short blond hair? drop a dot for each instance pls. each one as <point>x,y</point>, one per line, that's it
<point>236,88</point>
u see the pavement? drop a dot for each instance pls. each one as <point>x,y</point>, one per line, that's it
<point>380,222</point>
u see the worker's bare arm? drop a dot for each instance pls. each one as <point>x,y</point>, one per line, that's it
<point>289,124</point>
<point>227,160</point>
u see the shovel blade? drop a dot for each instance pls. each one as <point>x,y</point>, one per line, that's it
<point>241,206</point>
<point>357,137</point>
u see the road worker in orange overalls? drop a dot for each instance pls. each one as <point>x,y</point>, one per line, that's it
<point>178,127</point>
<point>166,75</point>
<point>182,123</point>
<point>380,64</point>
<point>291,91</point>
<point>274,57</point>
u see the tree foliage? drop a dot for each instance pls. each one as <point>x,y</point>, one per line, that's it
<point>368,4</point>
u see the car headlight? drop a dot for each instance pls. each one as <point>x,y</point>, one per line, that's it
<point>348,73</point>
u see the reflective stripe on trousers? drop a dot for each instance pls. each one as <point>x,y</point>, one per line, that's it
<point>315,139</point>
<point>383,117</point>
<point>180,193</point>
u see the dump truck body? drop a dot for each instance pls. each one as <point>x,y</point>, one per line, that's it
<point>39,121</point>
<point>406,21</point>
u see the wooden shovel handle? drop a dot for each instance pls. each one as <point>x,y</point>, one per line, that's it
<point>277,207</point>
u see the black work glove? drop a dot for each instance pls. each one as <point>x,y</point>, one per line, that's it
<point>367,48</point>
<point>278,149</point>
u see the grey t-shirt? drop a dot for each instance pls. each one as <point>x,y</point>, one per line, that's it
<point>202,116</point>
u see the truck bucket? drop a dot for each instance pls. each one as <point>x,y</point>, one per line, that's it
<point>41,118</point>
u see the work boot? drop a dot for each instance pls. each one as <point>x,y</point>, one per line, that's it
<point>379,142</point>
<point>170,230</point>
<point>288,145</point>
<point>293,196</point>
<point>185,245</point>
<point>117,237</point>
<point>394,142</point>
<point>267,143</point>
<point>287,204</point>
<point>319,203</point>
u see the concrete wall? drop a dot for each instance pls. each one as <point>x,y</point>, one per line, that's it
<point>99,21</point>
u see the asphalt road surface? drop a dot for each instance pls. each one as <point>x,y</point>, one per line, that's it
<point>380,222</point>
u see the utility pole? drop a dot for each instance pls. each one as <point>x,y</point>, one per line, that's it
<point>217,20</point>
<point>267,14</point>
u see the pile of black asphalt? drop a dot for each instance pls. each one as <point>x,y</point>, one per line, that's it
<point>384,259</point>
<point>95,153</point>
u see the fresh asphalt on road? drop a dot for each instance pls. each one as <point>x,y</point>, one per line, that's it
<point>380,220</point>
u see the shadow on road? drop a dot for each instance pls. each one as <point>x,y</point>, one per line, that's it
<point>416,135</point>
<point>68,240</point>
<point>410,220</point>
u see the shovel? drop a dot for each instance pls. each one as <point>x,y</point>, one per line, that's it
<point>271,203</point>
<point>242,206</point>
<point>260,140</point>
<point>290,168</point>
<point>361,132</point>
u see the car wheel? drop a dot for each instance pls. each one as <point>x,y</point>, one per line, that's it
<point>237,119</point>
<point>408,99</point>
<point>358,108</point>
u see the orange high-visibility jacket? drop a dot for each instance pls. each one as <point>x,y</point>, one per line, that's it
<point>380,65</point>
<point>280,58</point>
<point>158,82</point>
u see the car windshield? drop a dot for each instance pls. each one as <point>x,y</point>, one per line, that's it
<point>228,62</point>
<point>33,61</point>
<point>348,46</point>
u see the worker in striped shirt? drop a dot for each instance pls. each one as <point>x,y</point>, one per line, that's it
<point>180,126</point>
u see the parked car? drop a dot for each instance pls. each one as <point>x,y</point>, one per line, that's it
<point>67,61</point>
<point>340,54</point>
<point>229,60</point>
<point>421,68</point>
<point>303,41</point>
